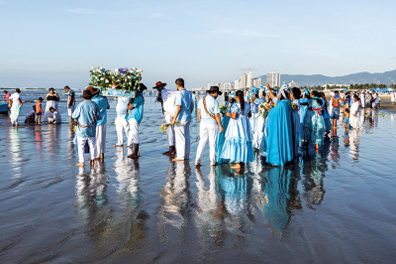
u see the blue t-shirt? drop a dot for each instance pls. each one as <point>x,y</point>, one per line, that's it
<point>213,108</point>
<point>103,105</point>
<point>86,112</point>
<point>183,98</point>
<point>137,111</point>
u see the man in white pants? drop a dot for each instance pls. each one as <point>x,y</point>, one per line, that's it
<point>70,103</point>
<point>183,116</point>
<point>210,122</point>
<point>135,117</point>
<point>121,122</point>
<point>87,114</point>
<point>170,131</point>
<point>101,127</point>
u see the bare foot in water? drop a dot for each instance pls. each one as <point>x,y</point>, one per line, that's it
<point>197,165</point>
<point>118,146</point>
<point>92,162</point>
<point>236,166</point>
<point>80,164</point>
<point>177,159</point>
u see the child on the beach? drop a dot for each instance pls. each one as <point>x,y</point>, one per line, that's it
<point>39,110</point>
<point>30,115</point>
<point>347,118</point>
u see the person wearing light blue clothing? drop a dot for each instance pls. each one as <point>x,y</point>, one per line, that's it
<point>87,115</point>
<point>183,118</point>
<point>209,125</point>
<point>279,140</point>
<point>101,127</point>
<point>195,100</point>
<point>238,145</point>
<point>135,116</point>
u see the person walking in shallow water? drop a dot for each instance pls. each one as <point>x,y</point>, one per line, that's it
<point>70,103</point>
<point>87,115</point>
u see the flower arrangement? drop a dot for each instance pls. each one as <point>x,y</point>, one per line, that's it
<point>223,109</point>
<point>164,126</point>
<point>265,107</point>
<point>120,78</point>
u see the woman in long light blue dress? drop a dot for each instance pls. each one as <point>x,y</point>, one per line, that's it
<point>238,145</point>
<point>280,146</point>
<point>221,139</point>
<point>314,124</point>
<point>326,114</point>
<point>295,96</point>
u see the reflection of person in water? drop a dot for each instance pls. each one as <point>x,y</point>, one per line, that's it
<point>176,198</point>
<point>278,196</point>
<point>354,137</point>
<point>209,211</point>
<point>314,169</point>
<point>235,194</point>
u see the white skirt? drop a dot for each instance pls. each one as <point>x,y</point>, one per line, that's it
<point>47,112</point>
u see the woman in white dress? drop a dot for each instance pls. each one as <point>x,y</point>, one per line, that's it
<point>52,101</point>
<point>355,120</point>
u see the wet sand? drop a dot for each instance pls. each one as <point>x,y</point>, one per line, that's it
<point>335,206</point>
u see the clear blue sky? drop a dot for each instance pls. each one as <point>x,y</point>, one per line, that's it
<point>54,43</point>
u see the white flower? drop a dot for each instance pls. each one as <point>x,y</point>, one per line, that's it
<point>102,79</point>
<point>107,81</point>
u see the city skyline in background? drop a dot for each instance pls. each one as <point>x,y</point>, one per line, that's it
<point>55,43</point>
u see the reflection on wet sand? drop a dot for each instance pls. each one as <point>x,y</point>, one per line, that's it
<point>176,198</point>
<point>16,152</point>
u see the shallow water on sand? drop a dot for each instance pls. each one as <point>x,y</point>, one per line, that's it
<point>334,206</point>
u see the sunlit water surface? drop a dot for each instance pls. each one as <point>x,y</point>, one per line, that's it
<point>334,206</point>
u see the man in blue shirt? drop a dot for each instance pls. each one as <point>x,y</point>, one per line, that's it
<point>70,103</point>
<point>87,115</point>
<point>101,126</point>
<point>135,116</point>
<point>183,118</point>
<point>210,122</point>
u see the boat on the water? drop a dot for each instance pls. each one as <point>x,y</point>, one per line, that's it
<point>3,108</point>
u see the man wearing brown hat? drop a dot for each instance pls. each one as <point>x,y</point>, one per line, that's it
<point>101,126</point>
<point>170,132</point>
<point>87,115</point>
<point>209,124</point>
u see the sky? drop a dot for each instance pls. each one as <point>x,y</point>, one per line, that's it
<point>55,43</point>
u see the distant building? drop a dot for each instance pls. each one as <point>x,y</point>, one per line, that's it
<point>236,85</point>
<point>273,79</point>
<point>249,80</point>
<point>294,84</point>
<point>243,82</point>
<point>225,86</point>
<point>257,82</point>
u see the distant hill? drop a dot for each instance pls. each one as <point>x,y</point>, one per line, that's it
<point>318,79</point>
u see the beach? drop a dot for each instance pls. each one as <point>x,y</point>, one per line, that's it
<point>331,206</point>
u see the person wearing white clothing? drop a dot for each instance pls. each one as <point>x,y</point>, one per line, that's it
<point>121,122</point>
<point>70,103</point>
<point>183,116</point>
<point>101,127</point>
<point>210,122</point>
<point>56,118</point>
<point>393,95</point>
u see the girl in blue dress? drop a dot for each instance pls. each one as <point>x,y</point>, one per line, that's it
<point>238,145</point>
<point>225,120</point>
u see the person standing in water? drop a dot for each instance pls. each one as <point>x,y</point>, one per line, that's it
<point>70,103</point>
<point>209,124</point>
<point>183,115</point>
<point>87,115</point>
<point>335,111</point>
<point>101,127</point>
<point>16,106</point>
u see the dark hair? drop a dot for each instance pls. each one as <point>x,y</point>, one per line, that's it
<point>180,82</point>
<point>317,94</point>
<point>283,97</point>
<point>51,108</point>
<point>231,100</point>
<point>193,92</point>
<point>356,97</point>
<point>142,87</point>
<point>5,91</point>
<point>34,108</point>
<point>347,110</point>
<point>336,92</point>
<point>66,87</point>
<point>17,90</point>
<point>296,92</point>
<point>40,99</point>
<point>239,94</point>
<point>322,94</point>
<point>51,89</point>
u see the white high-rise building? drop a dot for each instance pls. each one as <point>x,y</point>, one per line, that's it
<point>236,85</point>
<point>257,82</point>
<point>243,82</point>
<point>273,79</point>
<point>294,84</point>
<point>249,80</point>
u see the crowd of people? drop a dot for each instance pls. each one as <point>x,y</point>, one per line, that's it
<point>275,124</point>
